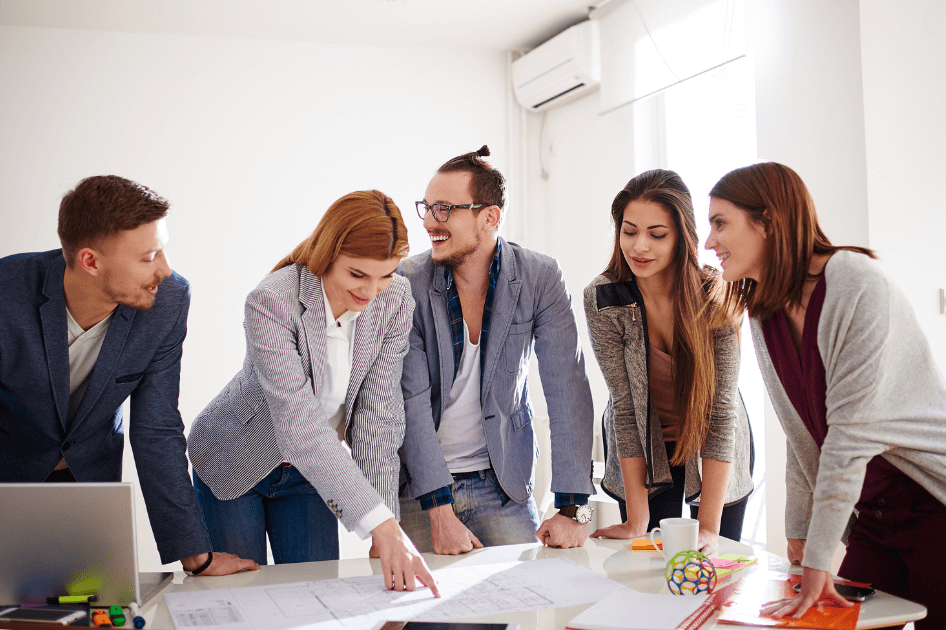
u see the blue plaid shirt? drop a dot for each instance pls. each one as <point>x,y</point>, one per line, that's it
<point>444,496</point>
<point>455,314</point>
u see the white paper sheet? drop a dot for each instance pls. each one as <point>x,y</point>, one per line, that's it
<point>361,602</point>
<point>626,609</point>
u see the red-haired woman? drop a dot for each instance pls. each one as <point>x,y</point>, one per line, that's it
<point>675,426</point>
<point>326,333</point>
<point>855,387</point>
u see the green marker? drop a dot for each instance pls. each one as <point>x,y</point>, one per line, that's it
<point>117,615</point>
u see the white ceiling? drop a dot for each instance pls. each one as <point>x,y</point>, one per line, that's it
<point>472,24</point>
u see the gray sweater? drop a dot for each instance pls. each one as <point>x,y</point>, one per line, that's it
<point>617,326</point>
<point>885,395</point>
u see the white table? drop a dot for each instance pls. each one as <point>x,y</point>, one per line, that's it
<point>641,570</point>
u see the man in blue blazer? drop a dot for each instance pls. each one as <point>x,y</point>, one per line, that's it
<point>469,451</point>
<point>81,330</point>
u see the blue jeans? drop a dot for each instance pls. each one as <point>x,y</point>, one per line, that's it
<point>284,505</point>
<point>482,507</point>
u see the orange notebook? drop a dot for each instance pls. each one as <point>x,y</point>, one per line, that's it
<point>752,593</point>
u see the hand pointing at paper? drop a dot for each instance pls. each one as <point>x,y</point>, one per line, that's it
<point>400,561</point>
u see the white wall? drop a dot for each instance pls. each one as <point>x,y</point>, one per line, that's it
<point>903,46</point>
<point>810,106</point>
<point>250,140</point>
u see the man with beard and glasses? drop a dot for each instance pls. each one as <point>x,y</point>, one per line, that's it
<point>482,303</point>
<point>85,327</point>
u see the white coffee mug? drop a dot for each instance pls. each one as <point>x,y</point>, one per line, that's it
<point>679,534</point>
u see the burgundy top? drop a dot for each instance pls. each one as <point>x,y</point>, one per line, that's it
<point>803,377</point>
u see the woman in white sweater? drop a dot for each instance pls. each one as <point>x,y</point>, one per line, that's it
<point>855,387</point>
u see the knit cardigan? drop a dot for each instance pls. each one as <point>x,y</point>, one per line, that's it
<point>885,396</point>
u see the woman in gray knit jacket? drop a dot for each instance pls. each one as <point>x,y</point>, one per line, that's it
<point>855,387</point>
<point>675,427</point>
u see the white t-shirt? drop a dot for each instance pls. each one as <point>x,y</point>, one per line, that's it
<point>461,433</point>
<point>84,348</point>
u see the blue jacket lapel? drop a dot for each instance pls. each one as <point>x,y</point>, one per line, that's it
<point>55,340</point>
<point>109,356</point>
<point>505,298</point>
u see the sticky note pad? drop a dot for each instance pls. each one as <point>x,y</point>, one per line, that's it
<point>644,544</point>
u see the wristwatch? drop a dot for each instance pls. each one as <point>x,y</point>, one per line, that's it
<point>581,513</point>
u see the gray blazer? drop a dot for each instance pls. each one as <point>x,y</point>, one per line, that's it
<point>885,396</point>
<point>270,412</point>
<point>530,306</point>
<point>617,324</point>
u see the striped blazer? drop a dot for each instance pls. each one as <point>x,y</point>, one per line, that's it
<point>270,412</point>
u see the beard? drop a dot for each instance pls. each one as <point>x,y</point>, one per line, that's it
<point>456,259</point>
<point>141,300</point>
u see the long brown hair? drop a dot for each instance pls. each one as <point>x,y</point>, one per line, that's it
<point>363,224</point>
<point>775,196</point>
<point>694,302</point>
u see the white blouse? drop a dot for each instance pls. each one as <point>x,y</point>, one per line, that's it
<point>340,333</point>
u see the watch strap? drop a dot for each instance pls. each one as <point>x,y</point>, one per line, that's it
<point>568,510</point>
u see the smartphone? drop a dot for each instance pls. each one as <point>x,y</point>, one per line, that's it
<point>848,592</point>
<point>49,615</point>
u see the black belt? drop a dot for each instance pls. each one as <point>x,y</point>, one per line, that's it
<point>471,473</point>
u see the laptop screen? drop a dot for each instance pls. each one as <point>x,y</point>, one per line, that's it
<point>68,539</point>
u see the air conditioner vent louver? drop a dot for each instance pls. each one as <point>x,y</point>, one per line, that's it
<point>568,91</point>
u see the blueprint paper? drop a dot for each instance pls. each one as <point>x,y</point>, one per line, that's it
<point>362,602</point>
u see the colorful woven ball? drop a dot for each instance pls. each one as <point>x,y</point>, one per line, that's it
<point>690,573</point>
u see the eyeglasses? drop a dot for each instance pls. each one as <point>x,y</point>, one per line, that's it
<point>441,211</point>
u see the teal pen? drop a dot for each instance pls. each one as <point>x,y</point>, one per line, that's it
<point>137,620</point>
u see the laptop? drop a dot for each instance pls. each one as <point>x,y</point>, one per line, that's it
<point>70,539</point>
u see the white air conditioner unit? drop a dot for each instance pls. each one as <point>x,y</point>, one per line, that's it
<point>560,70</point>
